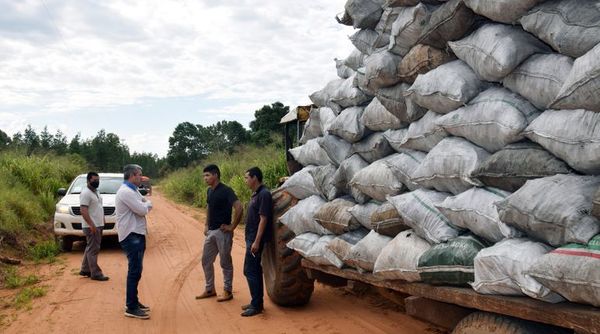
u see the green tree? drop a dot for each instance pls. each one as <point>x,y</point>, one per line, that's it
<point>59,143</point>
<point>185,146</point>
<point>4,140</point>
<point>75,144</point>
<point>31,140</point>
<point>151,164</point>
<point>226,136</point>
<point>268,117</point>
<point>106,152</point>
<point>46,139</point>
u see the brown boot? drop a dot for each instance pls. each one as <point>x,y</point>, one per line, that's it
<point>206,294</point>
<point>227,295</point>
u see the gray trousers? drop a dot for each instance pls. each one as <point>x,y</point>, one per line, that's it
<point>90,255</point>
<point>217,242</point>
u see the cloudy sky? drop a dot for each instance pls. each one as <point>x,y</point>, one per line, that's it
<point>137,68</point>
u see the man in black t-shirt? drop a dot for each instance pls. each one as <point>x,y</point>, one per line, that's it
<point>219,232</point>
<point>258,231</point>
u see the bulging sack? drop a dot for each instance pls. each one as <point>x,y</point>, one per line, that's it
<point>347,125</point>
<point>318,123</point>
<point>336,148</point>
<point>322,98</point>
<point>403,166</point>
<point>346,172</point>
<point>384,26</point>
<point>301,185</point>
<point>377,118</point>
<point>303,243</point>
<point>300,218</point>
<point>342,244</point>
<point>450,263</point>
<point>509,168</point>
<point>365,41</point>
<point>420,60</point>
<point>495,50</point>
<point>377,181</point>
<point>363,213</point>
<point>422,135</point>
<point>500,270</point>
<point>407,28</point>
<point>321,254</point>
<point>343,70</point>
<point>387,221</point>
<point>418,211</point>
<point>400,257</point>
<point>446,87</point>
<point>355,60</point>
<point>492,120</point>
<point>540,78</point>
<point>580,89</point>
<point>363,255</point>
<point>573,271</point>
<point>381,70</point>
<point>449,165</point>
<point>474,210</point>
<point>448,22</point>
<point>323,179</point>
<point>373,147</point>
<point>554,209</point>
<point>394,101</point>
<point>505,11</point>
<point>310,153</point>
<point>348,95</point>
<point>572,135</point>
<point>335,217</point>
<point>364,14</point>
<point>571,27</point>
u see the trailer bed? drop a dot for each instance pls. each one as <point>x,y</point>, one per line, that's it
<point>581,318</point>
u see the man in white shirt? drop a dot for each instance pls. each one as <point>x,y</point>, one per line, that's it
<point>92,225</point>
<point>132,208</point>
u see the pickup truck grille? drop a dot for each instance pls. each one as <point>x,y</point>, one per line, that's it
<point>107,226</point>
<point>108,210</point>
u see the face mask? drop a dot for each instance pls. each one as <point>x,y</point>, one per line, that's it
<point>95,184</point>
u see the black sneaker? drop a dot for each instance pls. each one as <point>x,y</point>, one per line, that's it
<point>137,313</point>
<point>141,307</point>
<point>144,307</point>
<point>245,307</point>
<point>85,274</point>
<point>250,312</point>
<point>100,278</point>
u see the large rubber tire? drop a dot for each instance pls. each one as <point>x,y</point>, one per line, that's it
<point>286,281</point>
<point>491,323</point>
<point>65,243</point>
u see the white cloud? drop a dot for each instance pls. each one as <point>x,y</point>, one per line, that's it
<point>79,55</point>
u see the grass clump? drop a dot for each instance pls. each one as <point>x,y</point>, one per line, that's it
<point>24,298</point>
<point>44,251</point>
<point>12,280</point>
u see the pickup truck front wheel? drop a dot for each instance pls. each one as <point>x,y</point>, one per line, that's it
<point>65,243</point>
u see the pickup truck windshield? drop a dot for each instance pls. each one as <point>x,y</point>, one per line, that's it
<point>108,185</point>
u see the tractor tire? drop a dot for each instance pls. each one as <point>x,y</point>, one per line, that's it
<point>65,243</point>
<point>491,323</point>
<point>286,281</point>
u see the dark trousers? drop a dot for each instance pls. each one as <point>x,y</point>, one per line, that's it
<point>89,264</point>
<point>134,246</point>
<point>254,275</point>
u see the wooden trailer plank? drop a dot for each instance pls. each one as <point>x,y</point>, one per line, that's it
<point>579,317</point>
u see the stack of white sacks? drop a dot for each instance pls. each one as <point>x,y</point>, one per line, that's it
<point>459,146</point>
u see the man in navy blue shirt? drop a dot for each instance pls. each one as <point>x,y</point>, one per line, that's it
<point>258,227</point>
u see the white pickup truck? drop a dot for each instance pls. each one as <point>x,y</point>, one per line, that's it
<point>67,217</point>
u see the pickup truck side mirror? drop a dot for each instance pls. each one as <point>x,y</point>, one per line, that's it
<point>144,192</point>
<point>61,192</point>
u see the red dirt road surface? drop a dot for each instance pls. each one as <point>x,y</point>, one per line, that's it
<point>173,276</point>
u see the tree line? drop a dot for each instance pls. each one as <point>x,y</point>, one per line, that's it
<point>189,143</point>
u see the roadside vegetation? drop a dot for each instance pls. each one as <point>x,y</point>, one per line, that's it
<point>187,185</point>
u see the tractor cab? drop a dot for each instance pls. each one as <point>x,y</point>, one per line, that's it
<point>294,122</point>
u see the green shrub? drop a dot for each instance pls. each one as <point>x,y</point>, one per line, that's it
<point>187,185</point>
<point>24,297</point>
<point>12,279</point>
<point>46,250</point>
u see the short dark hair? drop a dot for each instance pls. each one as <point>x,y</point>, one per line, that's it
<point>90,175</point>
<point>130,169</point>
<point>213,169</point>
<point>255,172</point>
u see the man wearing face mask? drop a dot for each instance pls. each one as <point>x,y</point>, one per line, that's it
<point>93,224</point>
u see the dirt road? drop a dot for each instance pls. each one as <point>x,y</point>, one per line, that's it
<point>173,276</point>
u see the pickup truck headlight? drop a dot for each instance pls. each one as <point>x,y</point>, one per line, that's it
<point>62,208</point>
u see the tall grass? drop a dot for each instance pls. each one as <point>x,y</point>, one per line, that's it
<point>28,187</point>
<point>187,185</point>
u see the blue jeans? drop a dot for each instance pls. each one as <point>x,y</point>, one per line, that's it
<point>134,246</point>
<point>254,275</point>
